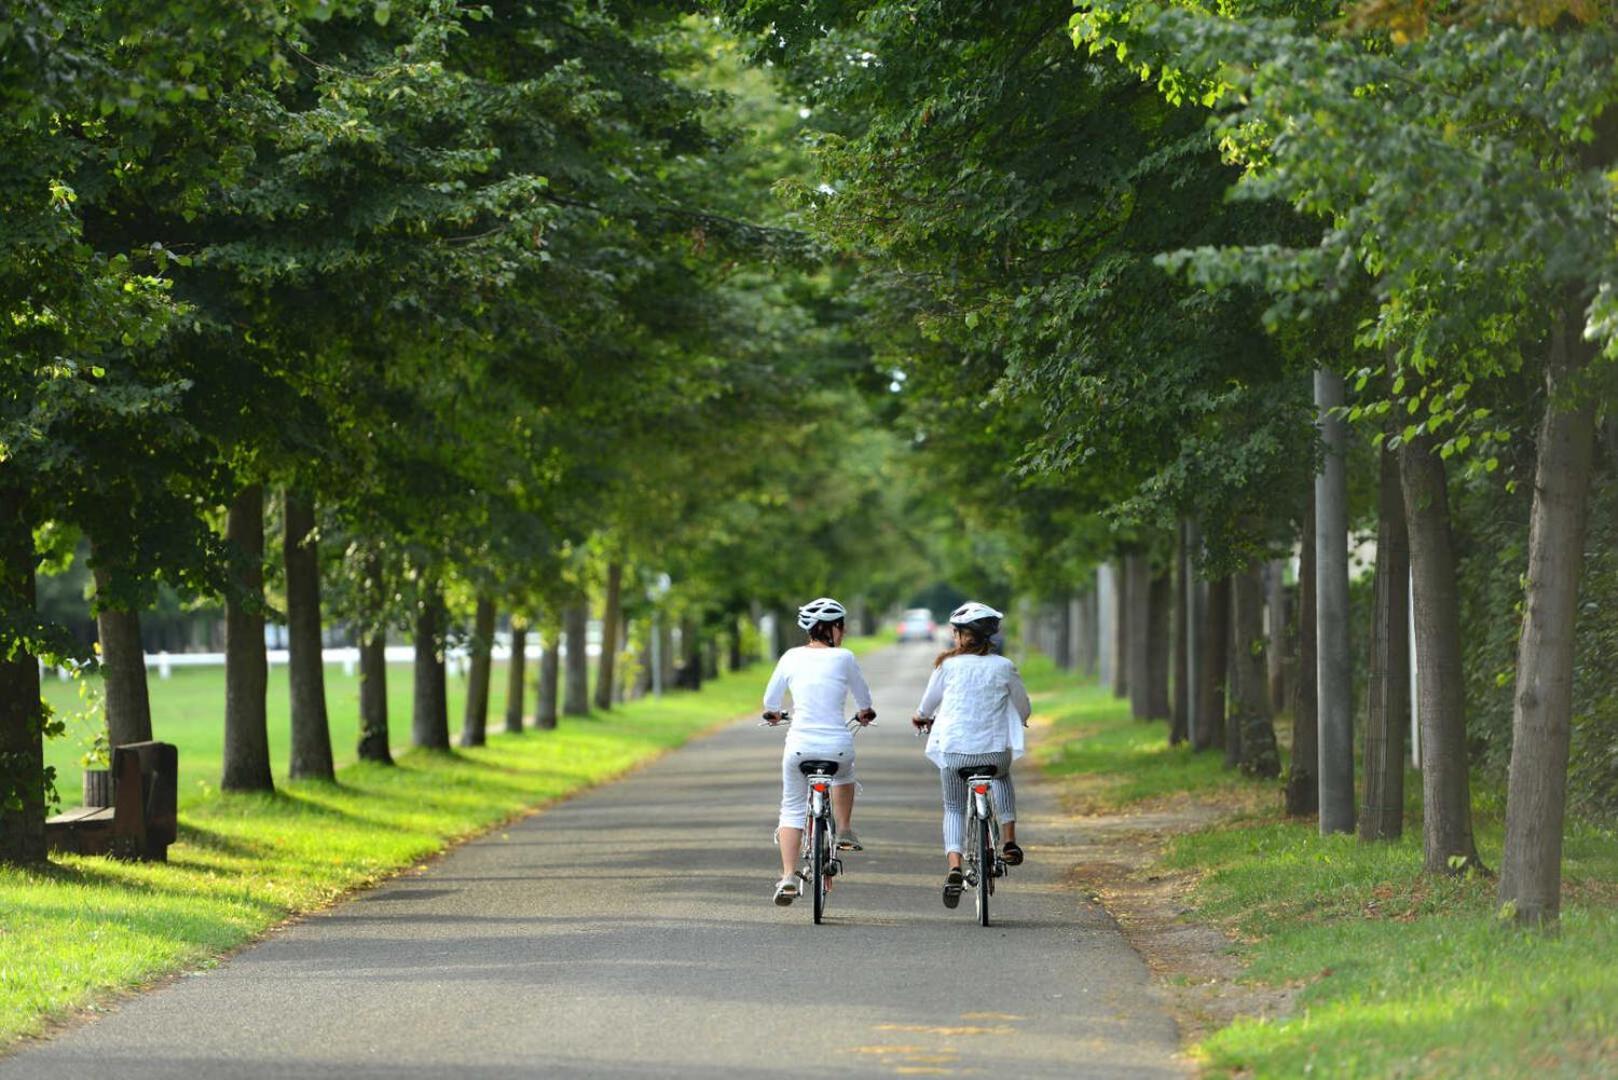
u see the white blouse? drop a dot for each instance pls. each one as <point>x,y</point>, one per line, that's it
<point>977,705</point>
<point>820,681</point>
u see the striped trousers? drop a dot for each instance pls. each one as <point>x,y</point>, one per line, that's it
<point>1005,795</point>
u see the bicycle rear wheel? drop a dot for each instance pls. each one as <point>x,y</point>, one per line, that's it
<point>983,853</point>
<point>817,862</point>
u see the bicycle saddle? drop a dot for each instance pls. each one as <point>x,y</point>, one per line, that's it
<point>817,767</point>
<point>966,772</point>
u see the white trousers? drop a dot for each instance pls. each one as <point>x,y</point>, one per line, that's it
<point>795,787</point>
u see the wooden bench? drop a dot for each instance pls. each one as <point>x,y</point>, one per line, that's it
<point>143,819</point>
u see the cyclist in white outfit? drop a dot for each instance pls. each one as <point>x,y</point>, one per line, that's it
<point>974,709</point>
<point>820,676</point>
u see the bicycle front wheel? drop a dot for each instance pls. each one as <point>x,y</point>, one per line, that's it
<point>983,847</point>
<point>817,862</point>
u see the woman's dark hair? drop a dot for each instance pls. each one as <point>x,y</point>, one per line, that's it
<point>977,644</point>
<point>821,631</point>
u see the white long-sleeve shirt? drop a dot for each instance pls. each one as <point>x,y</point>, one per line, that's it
<point>977,705</point>
<point>820,681</point>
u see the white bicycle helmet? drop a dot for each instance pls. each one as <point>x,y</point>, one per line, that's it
<point>818,611</point>
<point>976,616</point>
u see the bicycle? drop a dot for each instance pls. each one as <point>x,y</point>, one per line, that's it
<point>981,863</point>
<point>818,861</point>
<point>982,859</point>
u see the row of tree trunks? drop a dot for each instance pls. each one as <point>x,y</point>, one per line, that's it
<point>1388,689</point>
<point>1303,784</point>
<point>516,669</point>
<point>306,667</point>
<point>247,741</point>
<point>475,720</point>
<point>22,750</point>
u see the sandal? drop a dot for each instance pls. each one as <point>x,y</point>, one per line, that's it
<point>786,890</point>
<point>848,841</point>
<point>954,885</point>
<point>1011,853</point>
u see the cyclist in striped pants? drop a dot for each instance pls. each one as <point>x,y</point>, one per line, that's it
<point>974,709</point>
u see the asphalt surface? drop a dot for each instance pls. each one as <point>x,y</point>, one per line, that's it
<point>629,933</point>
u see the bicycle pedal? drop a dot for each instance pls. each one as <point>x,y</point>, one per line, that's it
<point>1000,868</point>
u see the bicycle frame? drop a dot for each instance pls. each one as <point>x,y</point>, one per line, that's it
<point>982,861</point>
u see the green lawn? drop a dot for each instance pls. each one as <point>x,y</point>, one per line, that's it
<point>1400,974</point>
<point>85,926</point>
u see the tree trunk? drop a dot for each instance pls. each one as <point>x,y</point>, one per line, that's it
<point>475,721</point>
<point>1333,686</point>
<point>516,677</point>
<point>611,615</point>
<point>1180,706</point>
<point>1303,785</point>
<point>1541,719</point>
<point>22,714</point>
<point>1120,631</point>
<point>1212,665</point>
<point>1062,635</point>
<point>575,689</point>
<point>1138,618</point>
<point>247,739</point>
<point>429,712</point>
<point>374,699</point>
<point>1160,647</point>
<point>1446,829</point>
<point>665,649</point>
<point>550,671</point>
<point>1250,708</point>
<point>736,661</point>
<point>123,667</point>
<point>1387,709</point>
<point>374,736</point>
<point>1275,608</point>
<point>306,667</point>
<point>690,655</point>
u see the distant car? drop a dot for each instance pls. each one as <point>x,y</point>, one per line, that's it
<point>917,625</point>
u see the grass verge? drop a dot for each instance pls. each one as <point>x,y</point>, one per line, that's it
<point>1397,974</point>
<point>85,926</point>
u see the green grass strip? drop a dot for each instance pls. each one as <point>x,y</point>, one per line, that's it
<point>1398,974</point>
<point>85,926</point>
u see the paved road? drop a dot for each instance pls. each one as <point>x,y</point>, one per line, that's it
<point>629,933</point>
